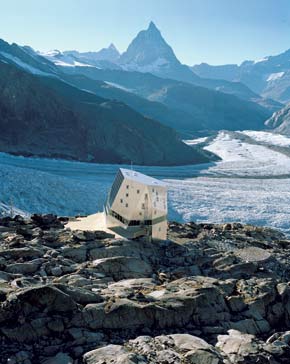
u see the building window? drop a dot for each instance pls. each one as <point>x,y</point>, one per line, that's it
<point>140,213</point>
<point>153,190</point>
<point>126,205</point>
<point>138,191</point>
<point>127,194</point>
<point>143,206</point>
<point>127,187</point>
<point>121,200</point>
<point>159,229</point>
<point>155,212</point>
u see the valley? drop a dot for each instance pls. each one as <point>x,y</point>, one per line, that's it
<point>251,184</point>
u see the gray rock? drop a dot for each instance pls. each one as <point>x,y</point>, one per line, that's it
<point>60,358</point>
<point>106,355</point>
<point>123,267</point>
<point>22,268</point>
<point>56,271</point>
<point>237,345</point>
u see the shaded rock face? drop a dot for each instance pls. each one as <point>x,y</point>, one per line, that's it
<point>211,294</point>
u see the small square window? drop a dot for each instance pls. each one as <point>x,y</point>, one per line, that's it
<point>121,200</point>
<point>127,194</point>
<point>143,205</point>
<point>126,205</point>
<point>127,187</point>
<point>138,191</point>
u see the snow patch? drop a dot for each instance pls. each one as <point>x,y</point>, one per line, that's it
<point>117,85</point>
<point>155,66</point>
<point>261,60</point>
<point>195,141</point>
<point>275,76</point>
<point>24,65</point>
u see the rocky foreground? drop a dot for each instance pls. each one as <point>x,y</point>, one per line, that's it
<point>211,294</point>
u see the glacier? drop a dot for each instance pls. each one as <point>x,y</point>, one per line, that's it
<point>251,184</point>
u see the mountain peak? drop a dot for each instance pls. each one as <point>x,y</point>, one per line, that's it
<point>153,27</point>
<point>149,52</point>
<point>113,47</point>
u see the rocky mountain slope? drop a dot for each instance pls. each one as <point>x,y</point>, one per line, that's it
<point>153,97</point>
<point>47,117</point>
<point>192,108</point>
<point>280,121</point>
<point>211,294</point>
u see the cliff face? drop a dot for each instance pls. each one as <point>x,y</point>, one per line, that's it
<point>43,116</point>
<point>211,294</point>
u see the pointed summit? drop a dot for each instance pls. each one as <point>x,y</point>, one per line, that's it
<point>113,47</point>
<point>153,27</point>
<point>148,52</point>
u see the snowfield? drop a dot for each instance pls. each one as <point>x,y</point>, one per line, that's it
<point>253,201</point>
<point>268,138</point>
<point>251,184</point>
<point>245,159</point>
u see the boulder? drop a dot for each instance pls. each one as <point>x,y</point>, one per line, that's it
<point>106,355</point>
<point>60,358</point>
<point>123,267</point>
<point>22,268</point>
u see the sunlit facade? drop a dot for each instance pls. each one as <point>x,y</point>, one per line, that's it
<point>137,206</point>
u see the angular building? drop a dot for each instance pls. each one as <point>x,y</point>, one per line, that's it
<point>137,206</point>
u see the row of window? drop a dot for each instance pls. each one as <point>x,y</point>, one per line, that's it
<point>136,222</point>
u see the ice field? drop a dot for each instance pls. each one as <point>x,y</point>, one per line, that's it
<point>251,184</point>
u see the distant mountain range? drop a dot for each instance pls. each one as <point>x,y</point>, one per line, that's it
<point>115,108</point>
<point>45,116</point>
<point>149,53</point>
<point>269,77</point>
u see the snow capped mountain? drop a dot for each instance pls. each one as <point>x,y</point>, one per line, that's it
<point>66,59</point>
<point>27,59</point>
<point>149,52</point>
<point>105,58</point>
<point>110,54</point>
<point>269,76</point>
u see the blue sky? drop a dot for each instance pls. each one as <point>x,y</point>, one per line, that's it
<point>212,31</point>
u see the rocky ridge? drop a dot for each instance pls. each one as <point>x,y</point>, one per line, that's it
<point>211,294</point>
